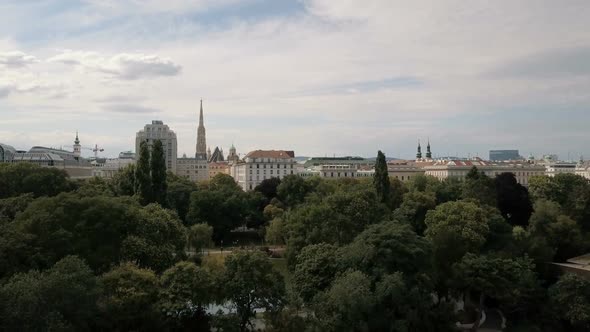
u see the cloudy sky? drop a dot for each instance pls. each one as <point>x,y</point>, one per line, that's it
<point>320,77</point>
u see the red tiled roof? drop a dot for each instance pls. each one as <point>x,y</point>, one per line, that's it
<point>271,154</point>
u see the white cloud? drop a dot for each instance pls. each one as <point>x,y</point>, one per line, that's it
<point>125,66</point>
<point>15,59</point>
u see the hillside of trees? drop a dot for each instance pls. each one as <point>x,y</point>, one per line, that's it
<point>359,254</point>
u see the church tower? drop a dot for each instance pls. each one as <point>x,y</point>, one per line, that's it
<point>77,146</point>
<point>201,153</point>
<point>428,152</point>
<point>419,153</point>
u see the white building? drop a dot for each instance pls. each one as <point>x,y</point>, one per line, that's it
<point>333,171</point>
<point>157,130</point>
<point>459,169</point>
<point>554,168</point>
<point>194,169</point>
<point>109,167</point>
<point>260,165</point>
<point>583,169</point>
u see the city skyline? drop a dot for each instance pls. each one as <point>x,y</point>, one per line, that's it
<point>318,77</point>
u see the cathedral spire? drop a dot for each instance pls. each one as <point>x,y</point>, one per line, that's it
<point>419,153</point>
<point>201,152</point>
<point>428,152</point>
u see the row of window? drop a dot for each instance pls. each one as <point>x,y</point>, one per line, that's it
<point>271,166</point>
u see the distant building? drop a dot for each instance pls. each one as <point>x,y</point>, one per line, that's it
<point>157,130</point>
<point>554,168</point>
<point>458,169</point>
<point>351,161</point>
<point>260,165</point>
<point>216,156</point>
<point>504,155</point>
<point>7,153</point>
<point>232,157</point>
<point>218,167</point>
<point>107,168</point>
<point>201,152</point>
<point>405,171</point>
<point>337,171</point>
<point>583,169</point>
<point>194,169</point>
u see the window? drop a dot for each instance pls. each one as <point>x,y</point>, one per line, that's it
<point>257,165</point>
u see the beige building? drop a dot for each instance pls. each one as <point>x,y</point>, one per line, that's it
<point>260,165</point>
<point>459,169</point>
<point>109,167</point>
<point>157,130</point>
<point>218,167</point>
<point>194,169</point>
<point>406,170</point>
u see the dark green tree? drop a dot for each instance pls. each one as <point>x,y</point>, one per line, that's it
<point>570,297</point>
<point>123,182</point>
<point>251,283</point>
<point>292,190</point>
<point>381,178</point>
<point>513,199</point>
<point>317,266</point>
<point>179,194</point>
<point>21,178</point>
<point>143,178</point>
<point>158,172</point>
<point>480,187</point>
<point>268,188</point>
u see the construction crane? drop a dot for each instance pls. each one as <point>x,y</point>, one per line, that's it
<point>95,149</point>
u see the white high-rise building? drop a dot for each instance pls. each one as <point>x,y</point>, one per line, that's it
<point>157,130</point>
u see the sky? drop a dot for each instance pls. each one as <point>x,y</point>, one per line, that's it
<point>320,77</point>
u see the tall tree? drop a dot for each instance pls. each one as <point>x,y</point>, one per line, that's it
<point>513,199</point>
<point>143,178</point>
<point>381,178</point>
<point>570,297</point>
<point>158,170</point>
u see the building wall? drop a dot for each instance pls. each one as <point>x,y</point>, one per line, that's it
<point>194,169</point>
<point>158,130</point>
<point>218,167</point>
<point>254,170</point>
<point>404,173</point>
<point>522,172</point>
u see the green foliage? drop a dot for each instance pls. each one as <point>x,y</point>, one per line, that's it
<point>179,194</point>
<point>10,207</point>
<point>123,182</point>
<point>21,178</point>
<point>158,173</point>
<point>129,299</point>
<point>63,297</point>
<point>186,290</point>
<point>275,232</point>
<point>570,297</point>
<point>479,187</point>
<point>250,283</point>
<point>200,236</point>
<point>414,208</point>
<point>317,266</point>
<point>268,188</point>
<point>143,178</point>
<point>381,178</point>
<point>94,187</point>
<point>292,190</point>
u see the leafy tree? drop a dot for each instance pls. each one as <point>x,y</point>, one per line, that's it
<point>480,187</point>
<point>63,297</point>
<point>200,236</point>
<point>272,212</point>
<point>10,207</point>
<point>123,182</point>
<point>158,173</point>
<point>224,183</point>
<point>381,178</point>
<point>143,178</point>
<point>223,212</point>
<point>414,208</point>
<point>542,187</point>
<point>513,199</point>
<point>21,178</point>
<point>186,290</point>
<point>179,194</point>
<point>94,187</point>
<point>292,190</point>
<point>348,304</point>
<point>512,282</point>
<point>275,232</point>
<point>268,188</point>
<point>128,300</point>
<point>317,266</point>
<point>570,297</point>
<point>562,234</point>
<point>386,248</point>
<point>251,283</point>
<point>397,189</point>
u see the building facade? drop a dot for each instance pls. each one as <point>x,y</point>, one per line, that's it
<point>504,155</point>
<point>219,167</point>
<point>109,167</point>
<point>554,168</point>
<point>157,130</point>
<point>459,168</point>
<point>260,165</point>
<point>194,169</point>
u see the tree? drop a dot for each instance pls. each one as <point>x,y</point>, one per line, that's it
<point>275,232</point>
<point>348,304</point>
<point>317,266</point>
<point>570,297</point>
<point>186,290</point>
<point>512,282</point>
<point>21,178</point>
<point>292,190</point>
<point>251,283</point>
<point>480,187</point>
<point>10,207</point>
<point>224,183</point>
<point>200,236</point>
<point>129,299</point>
<point>381,178</point>
<point>268,188</point>
<point>158,172</point>
<point>143,178</point>
<point>62,297</point>
<point>179,194</point>
<point>222,211</point>
<point>513,199</point>
<point>414,208</point>
<point>123,182</point>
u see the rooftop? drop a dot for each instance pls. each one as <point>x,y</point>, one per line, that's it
<point>277,154</point>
